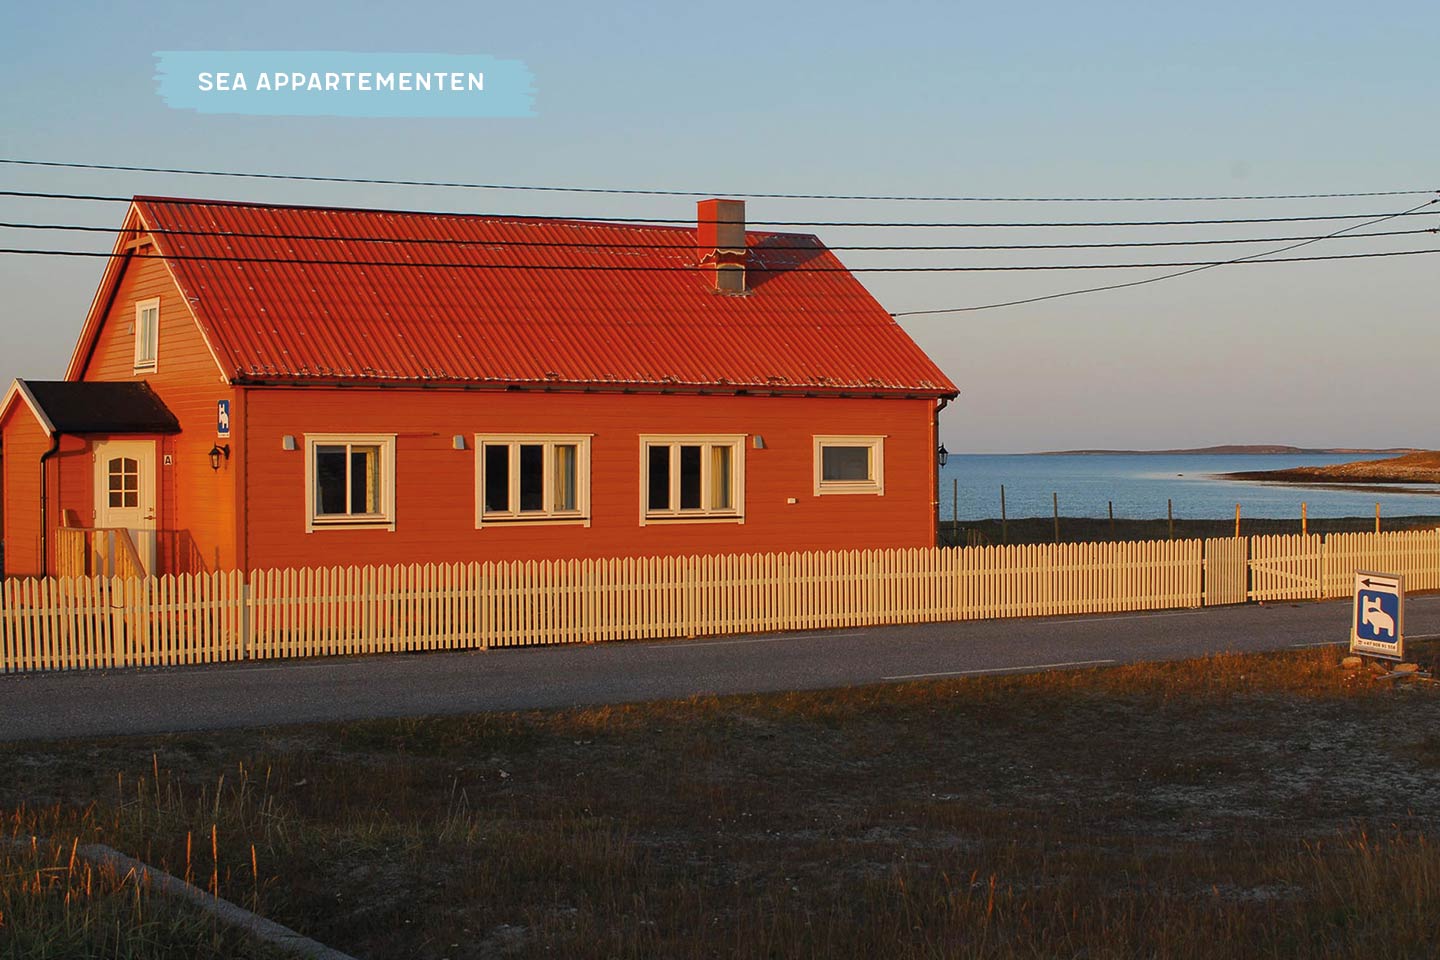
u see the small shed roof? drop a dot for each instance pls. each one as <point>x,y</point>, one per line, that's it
<point>69,406</point>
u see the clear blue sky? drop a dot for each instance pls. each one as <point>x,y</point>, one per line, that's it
<point>1101,98</point>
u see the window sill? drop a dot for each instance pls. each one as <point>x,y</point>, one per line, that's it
<point>378,523</point>
<point>868,488</point>
<point>692,518</point>
<point>532,522</point>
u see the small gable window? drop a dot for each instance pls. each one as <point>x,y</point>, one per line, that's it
<point>147,334</point>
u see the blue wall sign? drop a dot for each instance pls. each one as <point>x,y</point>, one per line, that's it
<point>1377,622</point>
<point>222,419</point>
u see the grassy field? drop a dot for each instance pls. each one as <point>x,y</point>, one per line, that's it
<point>1237,806</point>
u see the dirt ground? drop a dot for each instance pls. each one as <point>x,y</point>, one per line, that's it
<point>1235,806</point>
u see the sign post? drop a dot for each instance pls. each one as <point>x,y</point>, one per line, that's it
<point>1377,620</point>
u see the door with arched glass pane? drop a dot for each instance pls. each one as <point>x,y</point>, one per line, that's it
<point>125,500</point>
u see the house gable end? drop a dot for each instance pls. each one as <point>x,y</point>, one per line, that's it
<point>110,306</point>
<point>19,394</point>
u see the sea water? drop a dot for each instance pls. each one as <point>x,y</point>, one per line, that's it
<point>1140,484</point>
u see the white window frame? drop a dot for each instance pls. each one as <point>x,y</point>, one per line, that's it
<point>146,360</point>
<point>705,514</point>
<point>874,486</point>
<point>515,516</point>
<point>385,519</point>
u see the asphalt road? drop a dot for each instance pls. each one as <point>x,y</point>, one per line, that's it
<point>89,704</point>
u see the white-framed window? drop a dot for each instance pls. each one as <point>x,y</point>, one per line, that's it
<point>849,465</point>
<point>147,334</point>
<point>692,478</point>
<point>532,479</point>
<point>122,482</point>
<point>349,481</point>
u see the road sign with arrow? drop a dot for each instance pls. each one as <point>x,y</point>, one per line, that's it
<point>1377,621</point>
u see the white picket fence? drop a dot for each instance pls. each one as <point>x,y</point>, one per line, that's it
<point>1313,567</point>
<point>1287,567</point>
<point>92,623</point>
<point>1411,554</point>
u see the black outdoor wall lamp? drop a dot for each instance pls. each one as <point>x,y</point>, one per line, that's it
<point>942,455</point>
<point>215,454</point>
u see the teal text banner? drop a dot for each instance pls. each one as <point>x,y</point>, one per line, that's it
<point>331,83</point>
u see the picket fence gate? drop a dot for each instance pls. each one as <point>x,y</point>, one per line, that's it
<point>77,623</point>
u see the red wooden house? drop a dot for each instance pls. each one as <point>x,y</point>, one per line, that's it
<point>272,386</point>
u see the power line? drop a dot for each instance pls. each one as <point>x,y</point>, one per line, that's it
<point>1252,259</point>
<point>691,222</point>
<point>377,181</point>
<point>449,242</point>
<point>755,268</point>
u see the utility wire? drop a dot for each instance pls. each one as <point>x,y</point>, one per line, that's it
<point>1252,259</point>
<point>754,268</point>
<point>449,242</point>
<point>690,222</point>
<point>376,181</point>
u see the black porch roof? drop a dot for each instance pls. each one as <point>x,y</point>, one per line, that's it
<point>102,407</point>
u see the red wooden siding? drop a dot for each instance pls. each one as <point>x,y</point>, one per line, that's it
<point>435,484</point>
<point>22,443</point>
<point>72,478</point>
<point>195,504</point>
<point>68,476</point>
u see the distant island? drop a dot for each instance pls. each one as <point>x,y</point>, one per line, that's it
<point>1421,466</point>
<point>1236,448</point>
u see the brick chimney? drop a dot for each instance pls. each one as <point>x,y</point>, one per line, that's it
<point>720,244</point>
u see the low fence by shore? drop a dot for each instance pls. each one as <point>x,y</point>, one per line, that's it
<point>1067,529</point>
<point>95,622</point>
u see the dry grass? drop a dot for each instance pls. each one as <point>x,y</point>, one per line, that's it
<point>1237,806</point>
<point>56,904</point>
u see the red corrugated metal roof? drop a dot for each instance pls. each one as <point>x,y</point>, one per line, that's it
<point>449,298</point>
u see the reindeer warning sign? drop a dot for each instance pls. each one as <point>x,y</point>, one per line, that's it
<point>1377,624</point>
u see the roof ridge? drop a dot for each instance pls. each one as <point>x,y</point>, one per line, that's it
<point>453,214</point>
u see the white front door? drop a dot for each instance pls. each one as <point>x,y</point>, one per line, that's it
<point>125,494</point>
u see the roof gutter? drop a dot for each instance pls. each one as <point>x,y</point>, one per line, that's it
<point>935,437</point>
<point>45,503</point>
<point>557,386</point>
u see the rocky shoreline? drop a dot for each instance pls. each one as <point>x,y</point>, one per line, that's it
<point>1421,467</point>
